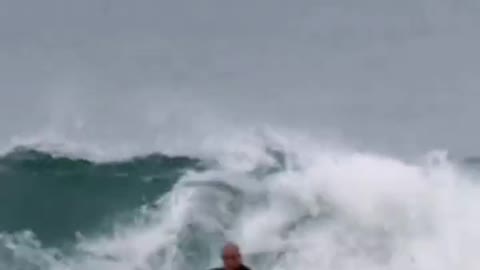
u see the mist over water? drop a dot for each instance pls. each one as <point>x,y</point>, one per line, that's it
<point>318,123</point>
<point>397,76</point>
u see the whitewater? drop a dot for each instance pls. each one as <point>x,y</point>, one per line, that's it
<point>315,134</point>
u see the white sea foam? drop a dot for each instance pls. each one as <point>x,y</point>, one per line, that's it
<point>332,210</point>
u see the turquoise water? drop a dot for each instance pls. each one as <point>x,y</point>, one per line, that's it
<point>331,134</point>
<point>281,204</point>
<point>56,197</point>
<point>52,203</point>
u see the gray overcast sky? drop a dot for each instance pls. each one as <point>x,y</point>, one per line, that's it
<point>386,72</point>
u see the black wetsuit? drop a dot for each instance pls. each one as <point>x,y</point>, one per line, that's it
<point>242,267</point>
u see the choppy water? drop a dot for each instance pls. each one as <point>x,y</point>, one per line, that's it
<point>317,134</point>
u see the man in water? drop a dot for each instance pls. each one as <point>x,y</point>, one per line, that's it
<point>232,258</point>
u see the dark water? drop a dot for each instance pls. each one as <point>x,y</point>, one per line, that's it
<point>47,200</point>
<point>55,197</point>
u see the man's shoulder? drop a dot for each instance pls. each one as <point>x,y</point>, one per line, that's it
<point>221,268</point>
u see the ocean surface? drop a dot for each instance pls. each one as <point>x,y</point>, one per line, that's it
<point>332,135</point>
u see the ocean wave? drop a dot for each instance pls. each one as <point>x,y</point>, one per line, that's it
<point>304,207</point>
<point>57,196</point>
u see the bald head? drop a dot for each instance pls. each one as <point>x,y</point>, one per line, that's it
<point>230,247</point>
<point>231,255</point>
